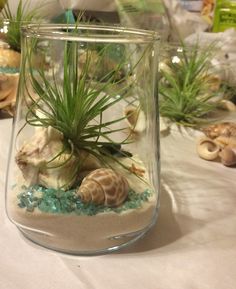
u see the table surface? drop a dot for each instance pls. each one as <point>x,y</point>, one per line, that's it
<point>192,245</point>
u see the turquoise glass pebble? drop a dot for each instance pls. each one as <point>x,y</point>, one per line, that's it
<point>9,70</point>
<point>64,202</point>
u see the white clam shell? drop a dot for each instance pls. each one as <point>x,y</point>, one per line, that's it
<point>43,160</point>
<point>104,186</point>
<point>33,157</point>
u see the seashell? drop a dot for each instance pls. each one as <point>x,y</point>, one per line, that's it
<point>135,118</point>
<point>228,105</point>
<point>228,156</point>
<point>214,81</point>
<point>9,58</point>
<point>223,141</point>
<point>104,186</point>
<point>43,160</point>
<point>8,89</point>
<point>207,149</point>
<point>163,67</point>
<point>221,129</point>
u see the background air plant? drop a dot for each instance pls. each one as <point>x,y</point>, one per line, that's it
<point>10,50</point>
<point>188,88</point>
<point>14,21</point>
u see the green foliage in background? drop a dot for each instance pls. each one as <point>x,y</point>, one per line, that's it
<point>14,21</point>
<point>186,95</point>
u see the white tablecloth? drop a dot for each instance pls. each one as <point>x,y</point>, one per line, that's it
<point>192,246</point>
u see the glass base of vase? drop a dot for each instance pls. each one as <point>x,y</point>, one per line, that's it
<point>100,247</point>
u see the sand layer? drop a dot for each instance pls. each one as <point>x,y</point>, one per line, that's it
<point>77,234</point>
<point>83,234</point>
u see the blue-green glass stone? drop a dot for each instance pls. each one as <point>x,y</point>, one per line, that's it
<point>63,202</point>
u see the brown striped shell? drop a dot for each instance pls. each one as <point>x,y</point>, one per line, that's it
<point>104,186</point>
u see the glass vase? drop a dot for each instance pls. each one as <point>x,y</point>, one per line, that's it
<point>83,173</point>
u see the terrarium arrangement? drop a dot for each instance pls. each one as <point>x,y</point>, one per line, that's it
<point>190,87</point>
<point>192,94</point>
<point>10,50</point>
<point>80,179</point>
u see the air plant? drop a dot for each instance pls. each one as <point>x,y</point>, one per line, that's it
<point>75,105</point>
<point>187,95</point>
<point>10,58</point>
<point>14,21</point>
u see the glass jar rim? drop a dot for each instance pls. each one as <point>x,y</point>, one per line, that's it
<point>118,34</point>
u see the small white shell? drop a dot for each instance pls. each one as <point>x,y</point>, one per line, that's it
<point>207,149</point>
<point>135,118</point>
<point>104,186</point>
<point>228,105</point>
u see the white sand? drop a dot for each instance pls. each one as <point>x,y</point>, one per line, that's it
<point>73,233</point>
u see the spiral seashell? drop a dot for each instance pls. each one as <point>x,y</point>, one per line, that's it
<point>104,186</point>
<point>207,149</point>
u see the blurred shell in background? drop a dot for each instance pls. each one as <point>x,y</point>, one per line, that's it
<point>8,90</point>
